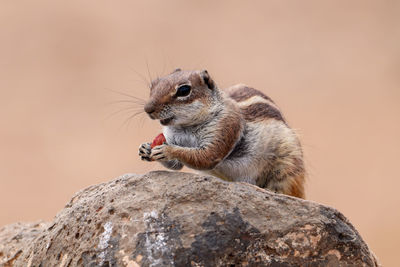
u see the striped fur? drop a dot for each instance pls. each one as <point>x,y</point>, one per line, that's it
<point>238,134</point>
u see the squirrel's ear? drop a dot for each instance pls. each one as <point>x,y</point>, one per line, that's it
<point>176,70</point>
<point>207,79</point>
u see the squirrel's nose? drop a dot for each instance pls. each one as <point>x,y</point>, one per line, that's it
<point>149,108</point>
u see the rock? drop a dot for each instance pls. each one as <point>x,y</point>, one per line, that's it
<point>15,238</point>
<point>182,219</point>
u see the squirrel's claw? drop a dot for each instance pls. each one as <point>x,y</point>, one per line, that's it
<point>145,151</point>
<point>160,153</point>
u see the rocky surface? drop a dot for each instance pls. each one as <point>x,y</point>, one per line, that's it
<point>181,219</point>
<point>15,238</point>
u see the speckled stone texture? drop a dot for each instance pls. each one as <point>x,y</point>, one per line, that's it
<point>181,219</point>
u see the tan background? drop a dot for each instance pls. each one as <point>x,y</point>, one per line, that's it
<point>333,68</point>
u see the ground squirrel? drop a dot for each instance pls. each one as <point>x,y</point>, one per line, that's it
<point>237,134</point>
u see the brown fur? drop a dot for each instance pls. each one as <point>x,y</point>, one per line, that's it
<point>261,111</point>
<point>241,92</point>
<point>162,90</point>
<point>296,187</point>
<point>207,157</point>
<point>240,135</point>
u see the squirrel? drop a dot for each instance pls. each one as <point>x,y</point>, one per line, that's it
<point>237,134</point>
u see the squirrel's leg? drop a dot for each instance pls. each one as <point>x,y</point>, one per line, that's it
<point>172,164</point>
<point>287,178</point>
<point>196,158</point>
<point>215,147</point>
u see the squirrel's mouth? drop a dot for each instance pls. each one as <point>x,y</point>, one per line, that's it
<point>166,121</point>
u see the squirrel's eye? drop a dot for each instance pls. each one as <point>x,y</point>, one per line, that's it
<point>183,90</point>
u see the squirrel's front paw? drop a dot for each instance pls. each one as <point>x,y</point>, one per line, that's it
<point>161,153</point>
<point>145,151</point>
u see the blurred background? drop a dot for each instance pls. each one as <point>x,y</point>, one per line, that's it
<point>333,67</point>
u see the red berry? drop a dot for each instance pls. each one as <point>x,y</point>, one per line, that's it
<point>159,140</point>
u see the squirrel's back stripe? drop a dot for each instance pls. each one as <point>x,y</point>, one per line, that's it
<point>242,92</point>
<point>255,100</point>
<point>254,105</point>
<point>259,111</point>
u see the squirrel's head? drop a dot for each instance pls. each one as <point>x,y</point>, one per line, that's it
<point>182,98</point>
